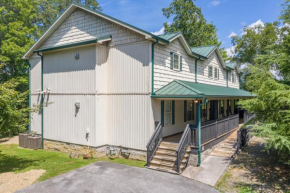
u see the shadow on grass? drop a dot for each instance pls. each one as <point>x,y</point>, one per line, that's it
<point>265,172</point>
<point>10,163</point>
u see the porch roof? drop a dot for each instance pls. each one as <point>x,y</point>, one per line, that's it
<point>185,89</point>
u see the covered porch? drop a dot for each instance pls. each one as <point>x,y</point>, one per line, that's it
<point>194,115</point>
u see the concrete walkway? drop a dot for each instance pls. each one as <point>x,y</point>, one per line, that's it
<point>110,177</point>
<point>213,167</point>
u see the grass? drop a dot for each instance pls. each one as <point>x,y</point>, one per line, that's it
<point>14,159</point>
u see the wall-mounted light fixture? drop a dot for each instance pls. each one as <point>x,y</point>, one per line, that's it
<point>77,56</point>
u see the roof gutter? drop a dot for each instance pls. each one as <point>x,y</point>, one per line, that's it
<point>42,99</point>
<point>152,66</point>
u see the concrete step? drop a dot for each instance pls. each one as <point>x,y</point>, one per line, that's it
<point>169,158</point>
<point>166,164</point>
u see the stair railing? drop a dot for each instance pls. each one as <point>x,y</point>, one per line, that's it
<point>154,142</point>
<point>184,142</point>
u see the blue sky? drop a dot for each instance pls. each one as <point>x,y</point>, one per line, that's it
<point>227,15</point>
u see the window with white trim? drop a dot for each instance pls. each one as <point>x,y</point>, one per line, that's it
<point>233,78</point>
<point>176,61</point>
<point>167,112</point>
<point>216,73</point>
<point>189,111</point>
<point>210,71</point>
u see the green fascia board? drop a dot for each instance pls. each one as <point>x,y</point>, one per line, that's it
<point>73,44</point>
<point>185,89</point>
<point>203,50</point>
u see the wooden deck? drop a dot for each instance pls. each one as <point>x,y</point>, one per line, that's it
<point>173,138</point>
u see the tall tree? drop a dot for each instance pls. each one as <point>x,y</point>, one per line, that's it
<point>188,19</point>
<point>50,10</point>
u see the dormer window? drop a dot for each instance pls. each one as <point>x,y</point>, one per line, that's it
<point>176,61</point>
<point>216,73</point>
<point>210,71</point>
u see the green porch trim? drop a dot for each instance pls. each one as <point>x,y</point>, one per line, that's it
<point>162,113</point>
<point>42,99</point>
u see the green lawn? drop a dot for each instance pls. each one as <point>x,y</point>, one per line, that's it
<point>14,159</point>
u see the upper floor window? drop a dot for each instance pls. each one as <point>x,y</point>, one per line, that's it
<point>233,78</point>
<point>210,71</point>
<point>216,73</point>
<point>176,61</point>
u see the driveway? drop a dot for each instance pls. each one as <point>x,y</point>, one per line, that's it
<point>110,177</point>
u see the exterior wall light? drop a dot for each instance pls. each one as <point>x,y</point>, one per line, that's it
<point>77,56</point>
<point>196,101</point>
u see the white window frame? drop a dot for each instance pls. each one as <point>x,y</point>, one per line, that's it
<point>178,55</point>
<point>211,71</point>
<point>190,104</point>
<point>167,113</point>
<point>216,70</point>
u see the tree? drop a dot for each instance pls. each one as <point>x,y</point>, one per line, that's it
<point>285,13</point>
<point>50,10</point>
<point>253,42</point>
<point>188,19</point>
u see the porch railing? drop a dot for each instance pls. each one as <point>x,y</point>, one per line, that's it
<point>183,144</point>
<point>213,129</point>
<point>154,142</point>
<point>248,116</point>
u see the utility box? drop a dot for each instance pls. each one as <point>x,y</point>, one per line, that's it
<point>23,140</point>
<point>34,142</point>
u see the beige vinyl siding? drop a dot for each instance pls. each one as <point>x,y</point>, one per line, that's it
<point>237,83</point>
<point>81,26</point>
<point>202,71</point>
<point>163,74</point>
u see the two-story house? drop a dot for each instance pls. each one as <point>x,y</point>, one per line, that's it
<point>102,83</point>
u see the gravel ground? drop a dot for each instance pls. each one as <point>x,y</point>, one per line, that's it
<point>10,182</point>
<point>13,140</point>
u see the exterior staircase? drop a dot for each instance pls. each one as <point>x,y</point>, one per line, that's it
<point>165,158</point>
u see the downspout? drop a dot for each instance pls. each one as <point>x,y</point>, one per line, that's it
<point>199,130</point>
<point>29,94</point>
<point>196,69</point>
<point>152,70</point>
<point>42,99</point>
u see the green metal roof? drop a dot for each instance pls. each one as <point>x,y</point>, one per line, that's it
<point>231,65</point>
<point>203,50</point>
<point>184,89</point>
<point>169,36</point>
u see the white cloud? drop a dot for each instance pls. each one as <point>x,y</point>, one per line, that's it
<point>214,3</point>
<point>231,51</point>
<point>232,34</point>
<point>160,32</point>
<point>256,24</point>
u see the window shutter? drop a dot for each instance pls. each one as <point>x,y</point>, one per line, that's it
<point>173,112</point>
<point>180,63</point>
<point>185,109</point>
<point>171,60</point>
<point>162,113</point>
<point>218,76</point>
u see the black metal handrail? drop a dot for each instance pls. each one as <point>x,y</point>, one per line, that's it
<point>184,142</point>
<point>154,142</point>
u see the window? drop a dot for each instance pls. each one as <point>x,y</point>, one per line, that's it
<point>204,112</point>
<point>210,71</point>
<point>167,112</point>
<point>175,61</point>
<point>189,111</point>
<point>233,78</point>
<point>216,73</point>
